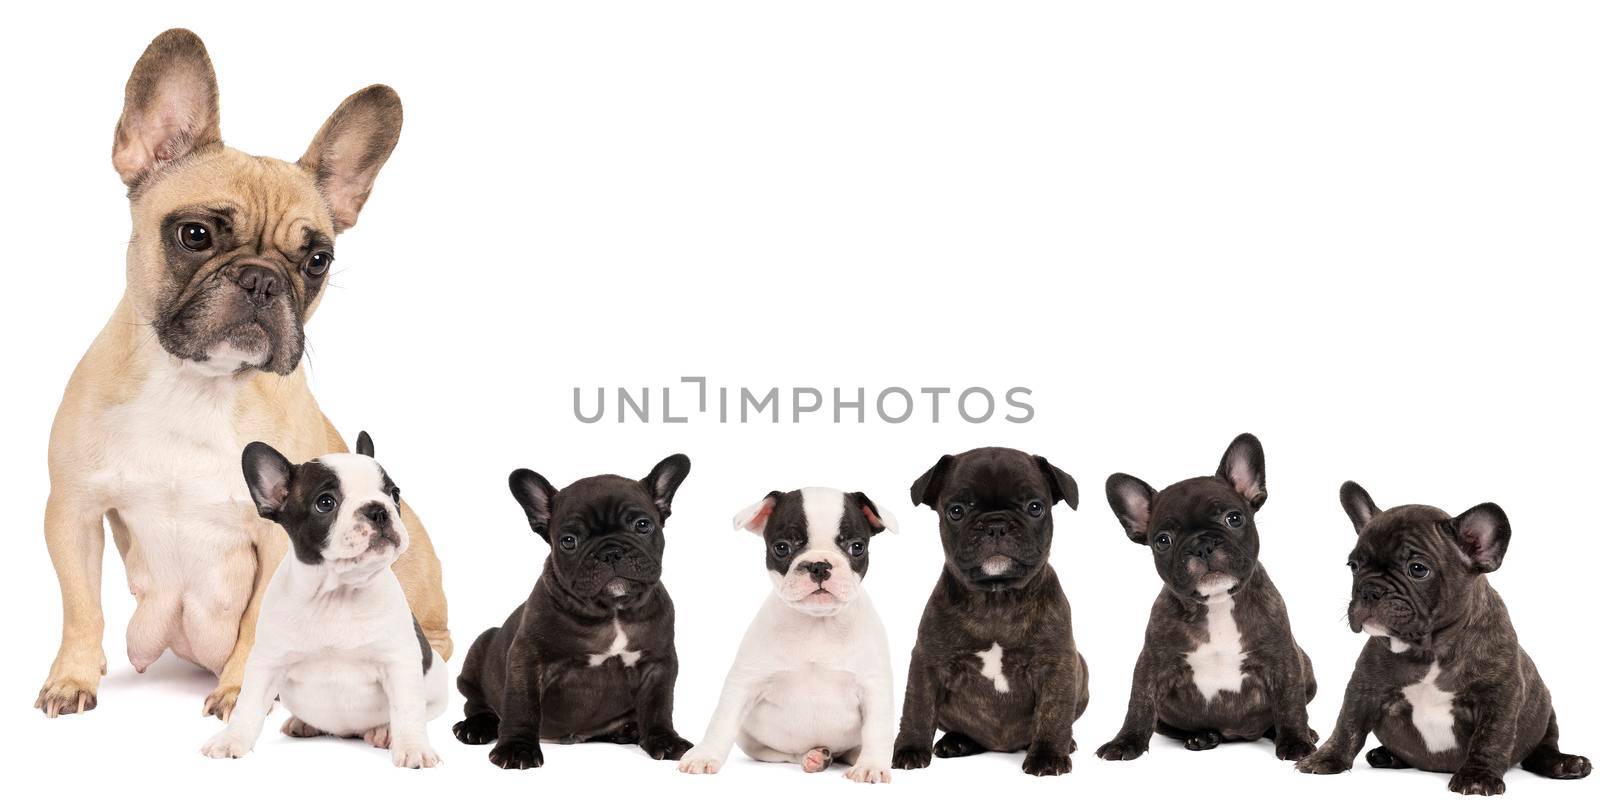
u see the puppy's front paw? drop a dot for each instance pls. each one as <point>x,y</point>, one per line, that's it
<point>1126,747</point>
<point>1046,759</point>
<point>413,756</point>
<point>699,761</point>
<point>1292,748</point>
<point>868,773</point>
<point>220,702</point>
<point>667,746</point>
<point>517,754</point>
<point>911,757</point>
<point>1477,780</point>
<point>1323,762</point>
<point>225,745</point>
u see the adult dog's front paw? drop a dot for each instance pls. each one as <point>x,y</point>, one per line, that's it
<point>665,746</point>
<point>517,754</point>
<point>414,756</point>
<point>68,695</point>
<point>1323,762</point>
<point>225,745</point>
<point>1126,747</point>
<point>699,761</point>
<point>1293,748</point>
<point>868,772</point>
<point>911,757</point>
<point>1046,759</point>
<point>1477,780</point>
<point>221,701</point>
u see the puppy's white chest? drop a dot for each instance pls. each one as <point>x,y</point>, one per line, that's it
<point>993,667</point>
<point>1431,711</point>
<point>618,649</point>
<point>1218,664</point>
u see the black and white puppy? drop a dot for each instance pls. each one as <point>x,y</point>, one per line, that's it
<point>335,639</point>
<point>995,665</point>
<point>1442,681</point>
<point>1219,662</point>
<point>811,683</point>
<point>589,655</point>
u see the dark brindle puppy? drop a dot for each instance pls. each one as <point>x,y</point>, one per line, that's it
<point>995,665</point>
<point>1219,662</point>
<point>1442,682</point>
<point>589,656</point>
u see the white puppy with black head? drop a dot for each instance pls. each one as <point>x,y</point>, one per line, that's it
<point>336,640</point>
<point>811,683</point>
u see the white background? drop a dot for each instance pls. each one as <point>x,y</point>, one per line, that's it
<point>1364,231</point>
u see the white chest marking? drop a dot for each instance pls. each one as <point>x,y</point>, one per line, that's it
<point>992,669</point>
<point>619,648</point>
<point>1218,665</point>
<point>1395,645</point>
<point>1430,711</point>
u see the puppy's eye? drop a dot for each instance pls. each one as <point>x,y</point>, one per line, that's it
<point>1417,570</point>
<point>644,527</point>
<point>194,236</point>
<point>394,494</point>
<point>317,265</point>
<point>1036,509</point>
<point>781,549</point>
<point>1163,540</point>
<point>955,512</point>
<point>325,503</point>
<point>857,549</point>
<point>1234,519</point>
<point>1351,564</point>
<point>568,541</point>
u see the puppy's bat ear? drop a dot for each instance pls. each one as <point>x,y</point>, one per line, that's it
<point>351,147</point>
<point>537,498</point>
<point>925,491</point>
<point>1131,500</point>
<point>364,445</point>
<point>169,108</point>
<point>1244,467</point>
<point>1062,487</point>
<point>1483,534</point>
<point>753,518</point>
<point>662,482</point>
<point>268,475</point>
<point>878,520</point>
<point>1358,505</point>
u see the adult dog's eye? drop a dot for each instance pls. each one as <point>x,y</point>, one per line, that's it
<point>326,502</point>
<point>1417,570</point>
<point>1036,509</point>
<point>1163,540</point>
<point>1234,519</point>
<point>568,541</point>
<point>317,265</point>
<point>857,549</point>
<point>194,236</point>
<point>644,527</point>
<point>955,512</point>
<point>781,549</point>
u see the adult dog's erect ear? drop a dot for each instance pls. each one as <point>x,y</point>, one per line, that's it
<point>878,520</point>
<point>925,490</point>
<point>1358,505</point>
<point>364,445</point>
<point>1131,500</point>
<point>169,107</point>
<point>1244,467</point>
<point>268,474</point>
<point>537,498</point>
<point>351,147</point>
<point>662,482</point>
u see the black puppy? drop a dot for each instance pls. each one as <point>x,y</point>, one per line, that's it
<point>995,665</point>
<point>1442,682</point>
<point>589,656</point>
<point>1219,663</point>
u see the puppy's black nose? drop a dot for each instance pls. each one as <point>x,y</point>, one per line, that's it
<point>994,529</point>
<point>377,514</point>
<point>259,282</point>
<point>820,570</point>
<point>609,555</point>
<point>1371,591</point>
<point>1202,546</point>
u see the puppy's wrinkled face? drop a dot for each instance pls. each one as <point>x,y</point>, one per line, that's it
<point>230,253</point>
<point>605,532</point>
<point>1414,567</point>
<point>817,544</point>
<point>341,511</point>
<point>995,519</point>
<point>1202,531</point>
